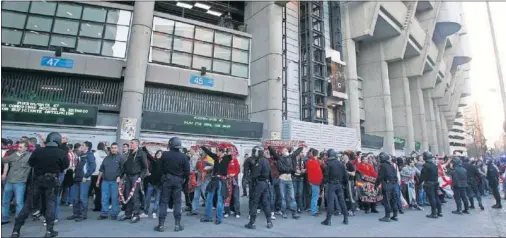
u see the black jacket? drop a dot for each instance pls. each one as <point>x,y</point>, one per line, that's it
<point>285,164</point>
<point>473,175</point>
<point>176,163</point>
<point>386,174</point>
<point>261,170</point>
<point>48,160</point>
<point>248,165</point>
<point>492,174</point>
<point>220,167</point>
<point>156,170</point>
<point>136,163</point>
<point>429,172</point>
<point>459,177</point>
<point>335,172</point>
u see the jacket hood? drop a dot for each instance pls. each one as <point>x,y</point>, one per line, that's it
<point>101,153</point>
<point>332,158</point>
<point>51,144</point>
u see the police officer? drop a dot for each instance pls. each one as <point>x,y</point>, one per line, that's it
<point>259,180</point>
<point>47,163</point>
<point>387,177</point>
<point>429,179</point>
<point>176,172</point>
<point>336,178</point>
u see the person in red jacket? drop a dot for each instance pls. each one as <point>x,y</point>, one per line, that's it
<point>315,177</point>
<point>234,168</point>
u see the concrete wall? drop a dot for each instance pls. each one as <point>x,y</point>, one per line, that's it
<point>292,36</point>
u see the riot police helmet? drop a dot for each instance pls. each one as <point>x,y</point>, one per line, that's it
<point>383,157</point>
<point>175,143</point>
<point>331,153</point>
<point>257,151</point>
<point>53,138</point>
<point>427,156</point>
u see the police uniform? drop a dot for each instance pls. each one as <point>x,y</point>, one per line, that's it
<point>429,177</point>
<point>336,179</point>
<point>259,180</point>
<point>387,177</point>
<point>47,163</point>
<point>176,172</point>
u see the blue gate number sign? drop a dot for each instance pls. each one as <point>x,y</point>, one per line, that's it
<point>202,81</point>
<point>48,61</point>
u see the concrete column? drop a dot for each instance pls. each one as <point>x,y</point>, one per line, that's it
<point>350,57</point>
<point>431,120</point>
<point>418,108</point>
<point>137,62</point>
<point>446,139</point>
<point>264,21</point>
<point>410,136</point>
<point>439,128</point>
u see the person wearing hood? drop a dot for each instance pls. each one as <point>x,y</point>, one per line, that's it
<point>430,180</point>
<point>387,177</point>
<point>493,182</point>
<point>100,155</point>
<point>459,186</point>
<point>47,164</point>
<point>473,180</point>
<point>286,167</point>
<point>336,178</point>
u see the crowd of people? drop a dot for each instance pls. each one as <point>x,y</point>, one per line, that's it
<point>124,180</point>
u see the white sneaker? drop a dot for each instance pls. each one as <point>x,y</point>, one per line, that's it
<point>154,215</point>
<point>258,211</point>
<point>70,205</point>
<point>121,213</point>
<point>226,215</point>
<point>56,221</point>
<point>273,217</point>
<point>237,216</point>
<point>110,207</point>
<point>170,210</point>
<point>232,213</point>
<point>143,215</point>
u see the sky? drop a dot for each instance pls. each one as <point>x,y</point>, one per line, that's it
<point>483,74</point>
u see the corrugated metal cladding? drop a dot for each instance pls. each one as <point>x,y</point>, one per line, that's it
<point>106,94</point>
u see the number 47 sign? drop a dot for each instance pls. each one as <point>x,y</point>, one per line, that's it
<point>48,61</point>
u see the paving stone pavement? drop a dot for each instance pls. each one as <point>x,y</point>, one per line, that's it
<point>488,223</point>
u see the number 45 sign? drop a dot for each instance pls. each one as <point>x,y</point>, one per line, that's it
<point>202,81</point>
<point>48,61</point>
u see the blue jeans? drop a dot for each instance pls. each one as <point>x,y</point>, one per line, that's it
<point>398,192</point>
<point>80,206</point>
<point>315,192</point>
<point>110,190</point>
<point>18,189</point>
<point>298,185</point>
<point>219,204</point>
<point>287,195</point>
<point>196,196</point>
<point>422,197</point>
<point>147,202</point>
<point>58,196</point>
<point>275,192</point>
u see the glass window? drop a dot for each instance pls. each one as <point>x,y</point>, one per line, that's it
<point>160,55</point>
<point>199,62</point>
<point>39,23</point>
<point>11,36</point>
<point>163,25</point>
<point>66,27</point>
<point>43,8</point>
<point>181,44</point>
<point>90,46</point>
<point>63,41</point>
<point>181,59</point>
<point>113,32</point>
<point>114,48</point>
<point>221,66</point>
<point>222,38</point>
<point>91,30</point>
<point>36,38</point>
<point>241,43</point>
<point>221,52</point>
<point>119,17</point>
<point>161,40</point>
<point>204,34</point>
<point>240,56</point>
<point>202,48</point>
<point>14,20</point>
<point>15,6</point>
<point>183,29</point>
<point>94,14</point>
<point>240,70</point>
<point>69,10</point>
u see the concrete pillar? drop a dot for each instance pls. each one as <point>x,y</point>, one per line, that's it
<point>446,139</point>
<point>373,69</point>
<point>264,21</point>
<point>350,57</point>
<point>418,109</point>
<point>410,136</point>
<point>430,118</point>
<point>135,74</point>
<point>439,128</point>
